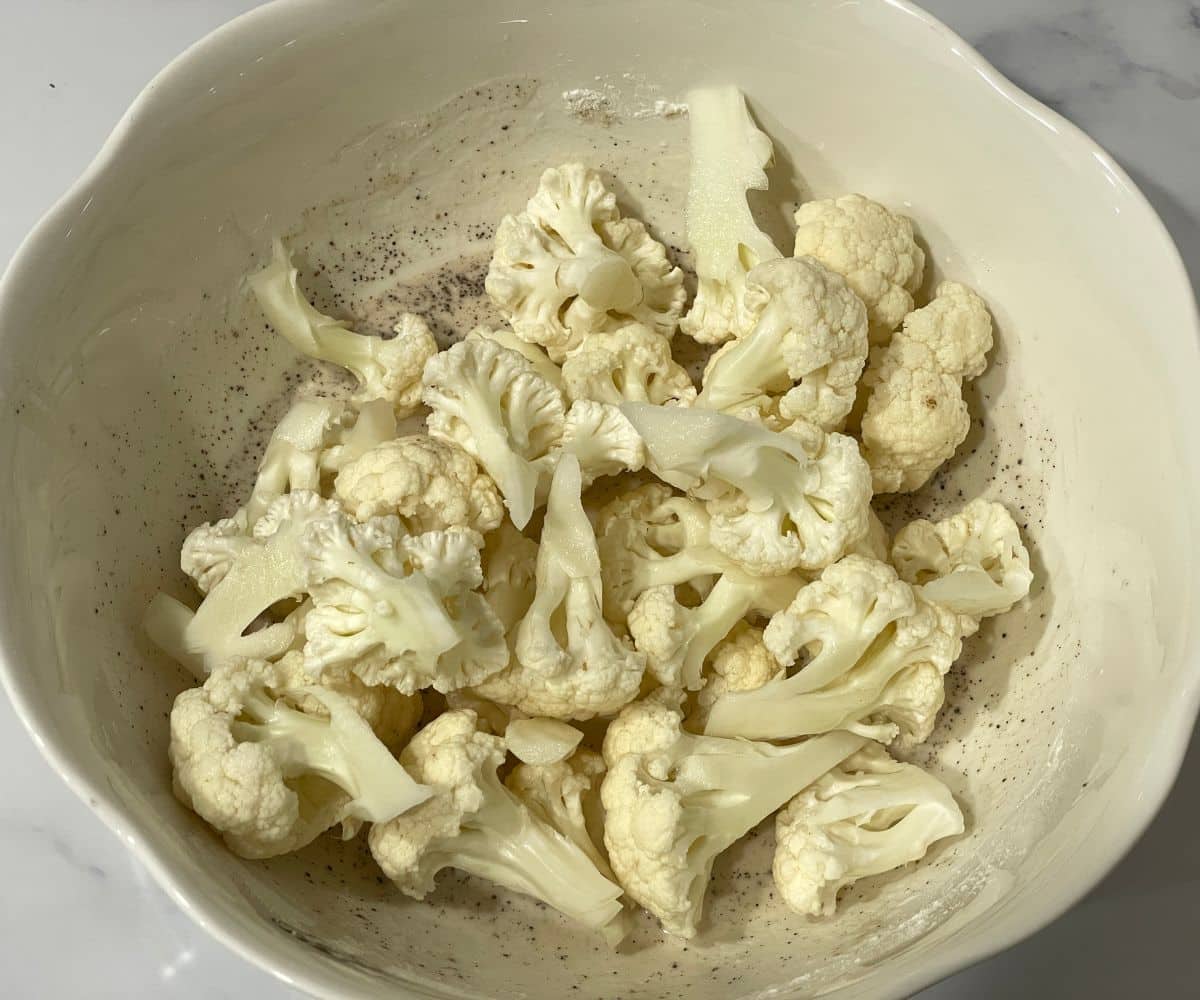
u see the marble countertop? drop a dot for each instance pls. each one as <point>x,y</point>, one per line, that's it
<point>81,917</point>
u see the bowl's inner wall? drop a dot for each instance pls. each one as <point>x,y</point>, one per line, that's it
<point>141,385</point>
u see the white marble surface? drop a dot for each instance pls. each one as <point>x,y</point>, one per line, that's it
<point>81,918</point>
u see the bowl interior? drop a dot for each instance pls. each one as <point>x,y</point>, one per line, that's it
<point>386,142</point>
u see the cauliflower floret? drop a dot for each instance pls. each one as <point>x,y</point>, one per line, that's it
<point>538,358</point>
<point>728,156</point>
<point>385,369</point>
<point>973,564</point>
<point>602,439</point>
<point>272,777</point>
<point>476,824</point>
<point>778,501</point>
<point>877,655</point>
<point>872,248</point>
<point>804,353</point>
<point>570,266</point>
<point>566,795</point>
<point>568,663</point>
<point>651,537</point>
<point>408,617</point>
<point>633,363</point>
<point>431,484</point>
<point>867,816</point>
<point>399,608</point>
<point>678,639</point>
<point>509,574</point>
<point>674,801</point>
<point>489,401</point>
<point>392,716</point>
<point>313,437</point>
<point>916,417</point>
<point>740,662</point>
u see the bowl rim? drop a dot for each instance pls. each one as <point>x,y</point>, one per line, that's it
<point>279,962</point>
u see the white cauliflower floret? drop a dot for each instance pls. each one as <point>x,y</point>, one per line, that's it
<point>740,662</point>
<point>877,654</point>
<point>674,801</point>
<point>651,537</point>
<point>538,358</point>
<point>271,777</point>
<point>385,369</point>
<point>566,795</point>
<point>872,248</point>
<point>314,436</point>
<point>509,574</point>
<point>398,608</point>
<point>728,156</point>
<point>570,266</point>
<point>568,663</point>
<point>408,617</point>
<point>631,364</point>
<point>489,401</point>
<point>429,483</point>
<point>678,639</point>
<point>916,417</point>
<point>867,816</point>
<point>602,439</point>
<point>778,501</point>
<point>973,564</point>
<point>804,353</point>
<point>476,824</point>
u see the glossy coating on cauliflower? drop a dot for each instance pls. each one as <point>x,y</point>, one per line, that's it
<point>872,248</point>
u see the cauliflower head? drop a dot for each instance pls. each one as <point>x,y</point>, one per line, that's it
<point>385,369</point>
<point>632,364</point>
<point>674,801</point>
<point>568,662</point>
<point>869,815</point>
<point>916,417</point>
<point>489,401</point>
<point>803,353</point>
<point>973,564</point>
<point>509,575</point>
<point>872,248</point>
<point>778,501</point>
<point>877,655</point>
<point>270,776</point>
<point>429,483</point>
<point>474,823</point>
<point>570,266</point>
<point>729,154</point>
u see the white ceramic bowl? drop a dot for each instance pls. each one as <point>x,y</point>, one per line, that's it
<point>136,382</point>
